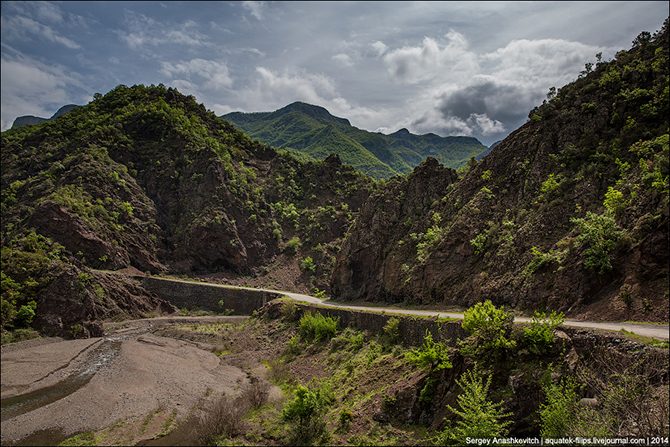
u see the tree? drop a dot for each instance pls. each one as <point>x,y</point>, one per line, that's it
<point>478,416</point>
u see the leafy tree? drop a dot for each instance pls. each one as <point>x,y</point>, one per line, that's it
<point>478,416</point>
<point>306,411</point>
<point>598,236</point>
<point>489,328</point>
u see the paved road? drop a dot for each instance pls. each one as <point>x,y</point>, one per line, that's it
<point>657,331</point>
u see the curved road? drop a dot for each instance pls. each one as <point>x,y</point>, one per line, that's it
<point>658,331</point>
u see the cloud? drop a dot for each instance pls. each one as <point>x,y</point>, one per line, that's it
<point>215,75</point>
<point>48,11</point>
<point>19,27</point>
<point>379,47</point>
<point>451,60</point>
<point>255,8</point>
<point>343,59</point>
<point>32,88</point>
<point>143,31</point>
<point>461,92</point>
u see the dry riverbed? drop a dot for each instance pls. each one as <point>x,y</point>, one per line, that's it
<point>135,385</point>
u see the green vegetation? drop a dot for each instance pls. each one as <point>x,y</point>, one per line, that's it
<point>307,264</point>
<point>490,331</point>
<point>598,236</point>
<point>478,417</point>
<point>311,130</point>
<point>428,240</point>
<point>314,326</point>
<point>557,413</point>
<point>538,336</point>
<point>305,411</point>
<point>432,355</point>
<point>81,439</point>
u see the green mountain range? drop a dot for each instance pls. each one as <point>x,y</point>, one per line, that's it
<point>312,130</point>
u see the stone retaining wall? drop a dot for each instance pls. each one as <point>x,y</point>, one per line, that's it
<point>194,296</point>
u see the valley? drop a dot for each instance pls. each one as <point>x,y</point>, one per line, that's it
<point>174,276</point>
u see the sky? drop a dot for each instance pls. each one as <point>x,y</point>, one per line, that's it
<point>452,68</point>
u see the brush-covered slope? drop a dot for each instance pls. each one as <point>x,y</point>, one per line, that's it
<point>569,212</point>
<point>145,177</point>
<point>314,131</point>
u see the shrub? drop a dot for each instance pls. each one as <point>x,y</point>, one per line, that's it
<point>391,331</point>
<point>479,242</point>
<point>293,244</point>
<point>225,418</point>
<point>308,265</point>
<point>539,335</point>
<point>614,201</point>
<point>540,259</point>
<point>26,313</point>
<point>345,418</point>
<point>558,411</point>
<point>598,236</point>
<point>316,327</point>
<point>431,354</point>
<point>306,411</point>
<point>349,339</point>
<point>478,416</point>
<point>256,393</point>
<point>489,328</point>
<point>550,185</point>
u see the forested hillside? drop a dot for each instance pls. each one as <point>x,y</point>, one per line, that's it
<point>312,130</point>
<point>145,177</point>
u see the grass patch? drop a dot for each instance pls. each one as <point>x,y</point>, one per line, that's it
<point>86,438</point>
<point>650,341</point>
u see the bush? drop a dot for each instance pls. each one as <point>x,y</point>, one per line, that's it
<point>308,265</point>
<point>558,411</point>
<point>489,328</point>
<point>478,416</point>
<point>349,339</point>
<point>293,244</point>
<point>539,335</point>
<point>316,327</point>
<point>479,242</point>
<point>431,354</point>
<point>26,313</point>
<point>614,201</point>
<point>391,331</point>
<point>226,418</point>
<point>306,411</point>
<point>598,236</point>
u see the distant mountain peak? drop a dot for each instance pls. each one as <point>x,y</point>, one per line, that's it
<point>402,131</point>
<point>314,111</point>
<point>29,120</point>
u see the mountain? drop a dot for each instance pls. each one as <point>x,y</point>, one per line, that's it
<point>569,212</point>
<point>146,178</point>
<point>29,120</point>
<point>312,130</point>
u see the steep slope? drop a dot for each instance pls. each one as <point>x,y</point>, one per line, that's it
<point>145,177</point>
<point>569,212</point>
<point>313,130</point>
<point>29,120</point>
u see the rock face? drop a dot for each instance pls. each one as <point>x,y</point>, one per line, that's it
<point>373,253</point>
<point>569,212</point>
